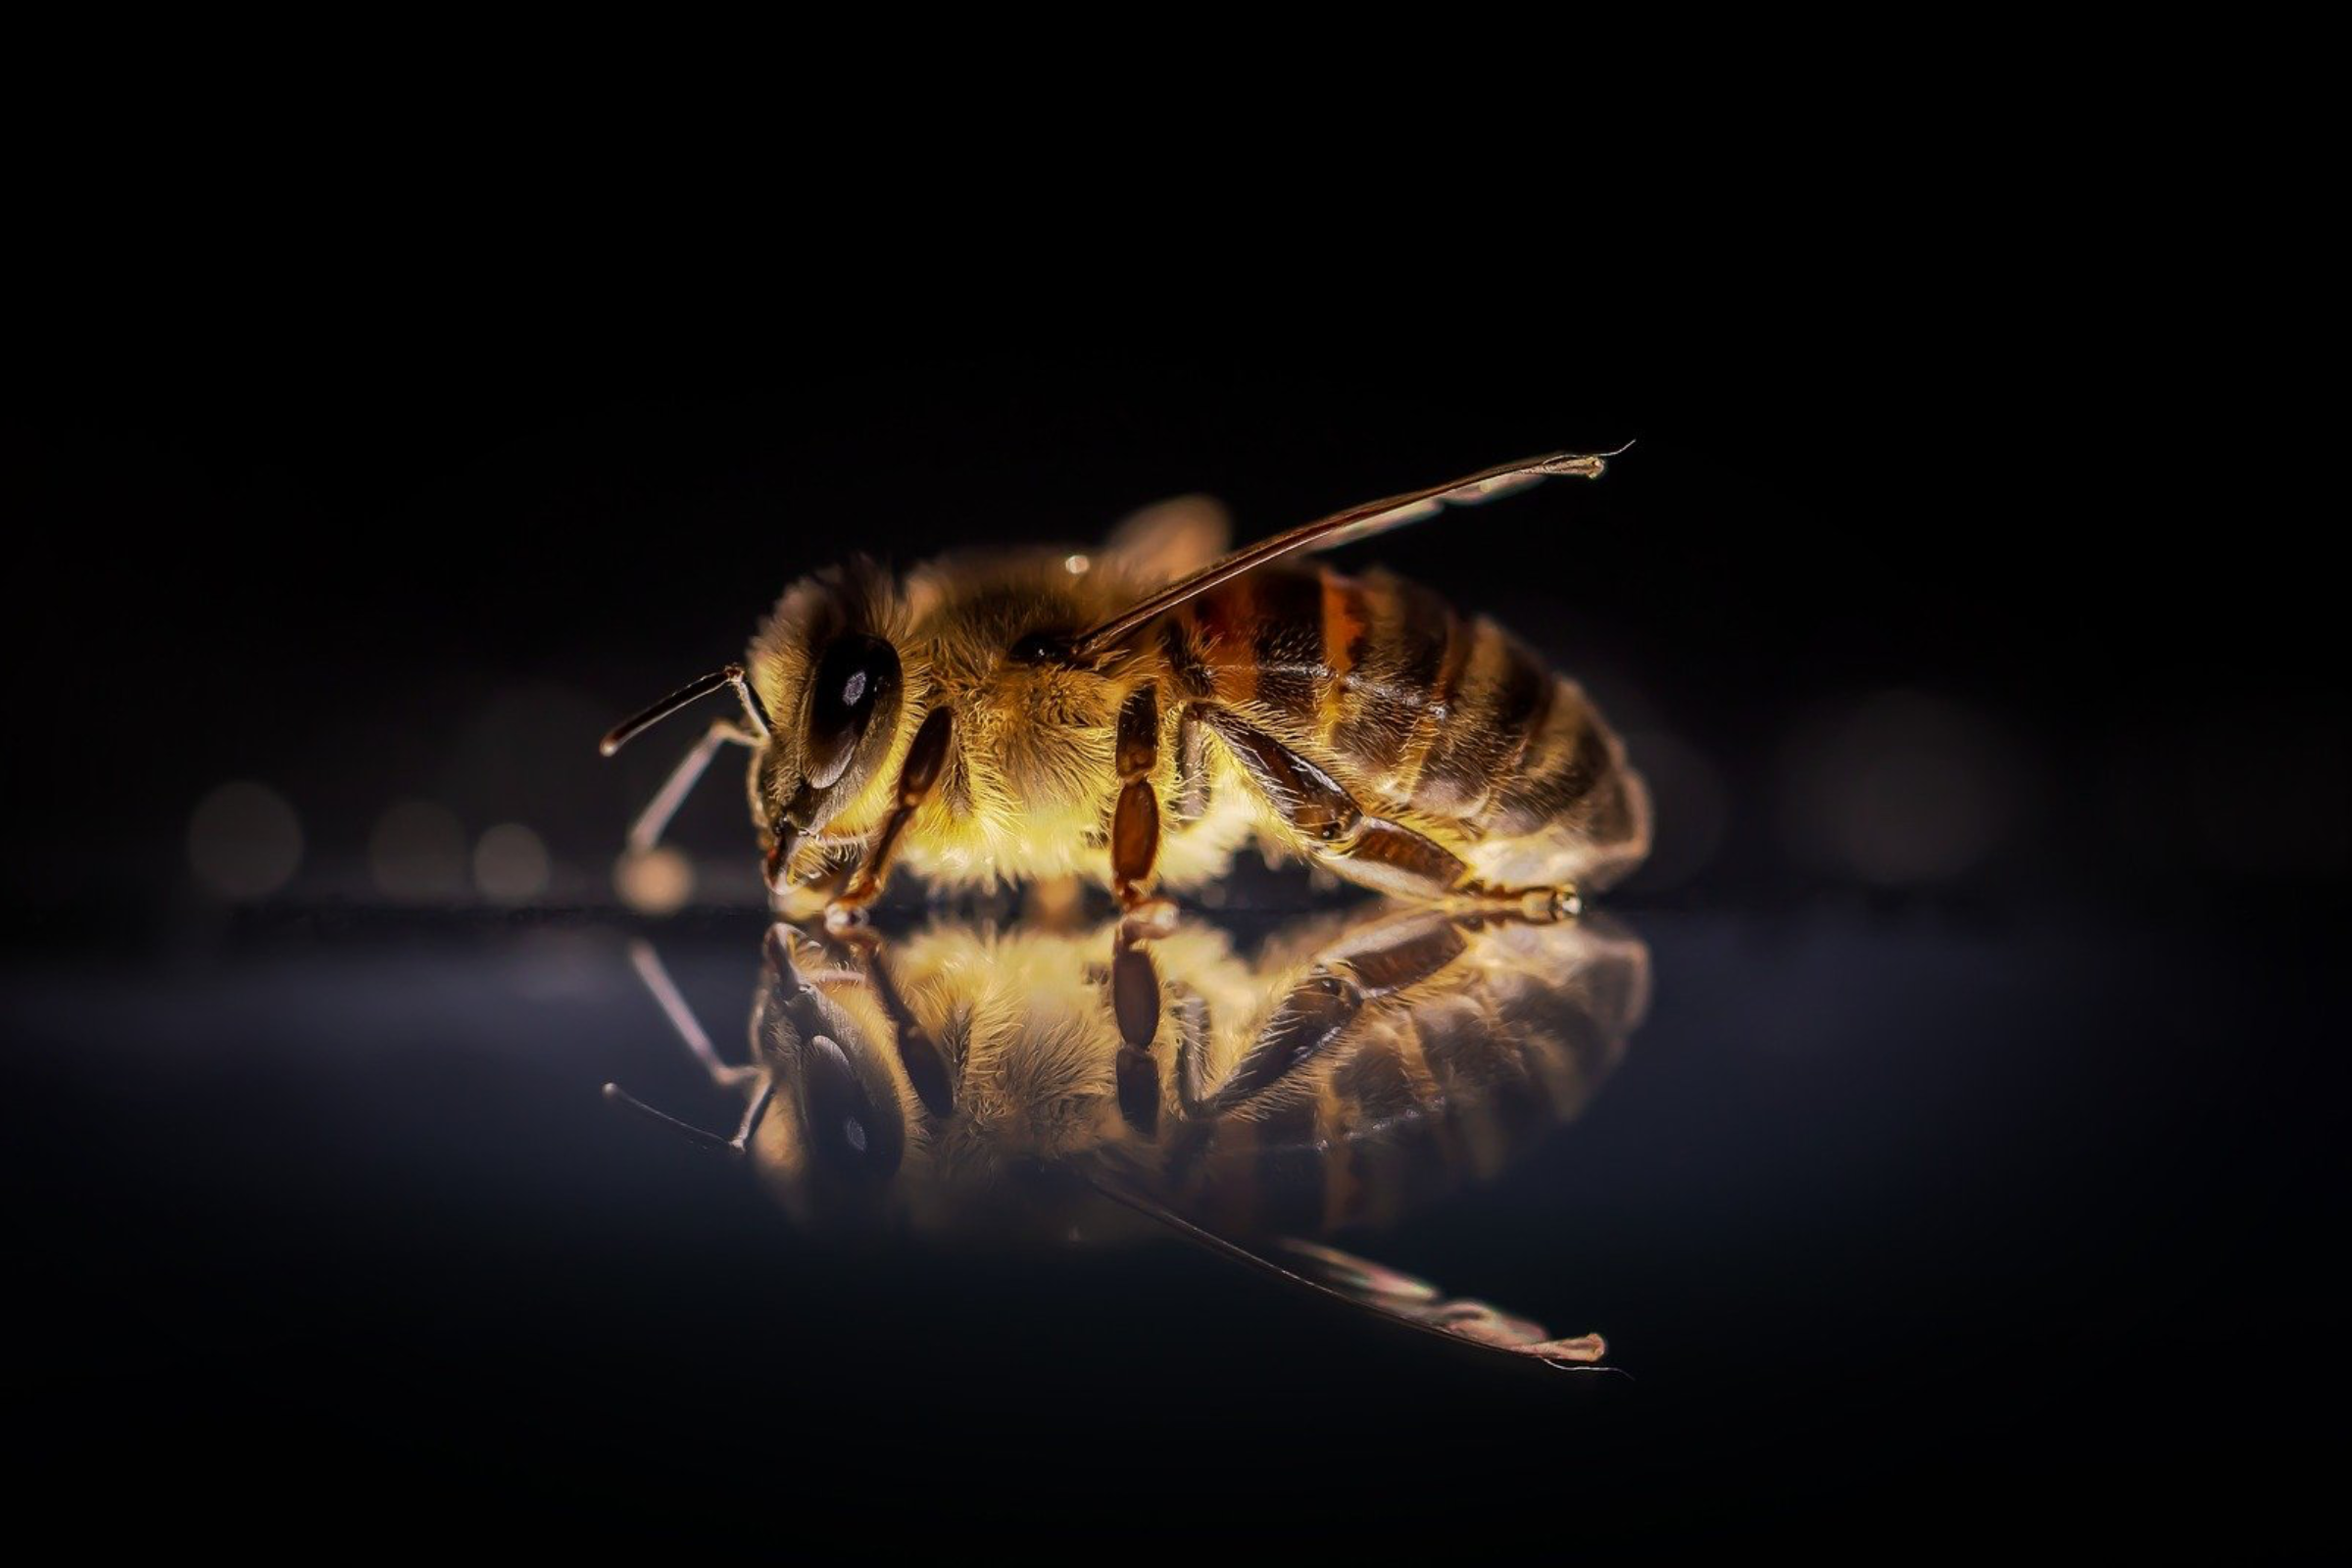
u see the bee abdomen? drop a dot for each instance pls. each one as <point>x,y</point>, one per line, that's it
<point>1420,710</point>
<point>1461,721</point>
<point>1476,732</point>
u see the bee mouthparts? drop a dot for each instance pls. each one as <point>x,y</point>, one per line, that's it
<point>779,858</point>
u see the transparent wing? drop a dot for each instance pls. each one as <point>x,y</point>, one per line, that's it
<point>1343,528</point>
<point>1169,542</point>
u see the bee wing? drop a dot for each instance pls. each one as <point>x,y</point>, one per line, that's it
<point>1344,527</point>
<point>1377,1290</point>
<point>1169,542</point>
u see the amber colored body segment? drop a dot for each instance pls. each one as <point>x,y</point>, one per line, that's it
<point>1449,727</point>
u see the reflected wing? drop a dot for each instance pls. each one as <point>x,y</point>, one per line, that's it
<point>1171,541</point>
<point>1343,528</point>
<point>1415,1301</point>
<point>1379,1291</point>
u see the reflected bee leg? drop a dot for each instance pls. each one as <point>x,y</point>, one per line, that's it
<point>751,1080</point>
<point>926,1061</point>
<point>926,760</point>
<point>1310,1025</point>
<point>1135,1003</point>
<point>1539,905</point>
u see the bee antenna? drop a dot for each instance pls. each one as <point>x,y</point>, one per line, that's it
<point>629,729</point>
<point>754,1115</point>
<point>617,1096</point>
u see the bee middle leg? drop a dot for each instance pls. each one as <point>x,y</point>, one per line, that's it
<point>1135,821</point>
<point>1134,832</point>
<point>1137,826</point>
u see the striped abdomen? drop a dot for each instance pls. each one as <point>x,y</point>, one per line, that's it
<point>1452,725</point>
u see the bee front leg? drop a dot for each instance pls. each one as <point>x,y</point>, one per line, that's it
<point>1134,852</point>
<point>926,760</point>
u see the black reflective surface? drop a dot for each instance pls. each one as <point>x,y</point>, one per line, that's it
<point>1891,1219</point>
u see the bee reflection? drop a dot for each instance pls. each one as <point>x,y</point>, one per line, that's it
<point>1346,1076</point>
<point>980,1084</point>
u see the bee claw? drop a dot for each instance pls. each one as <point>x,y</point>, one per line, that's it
<point>1561,904</point>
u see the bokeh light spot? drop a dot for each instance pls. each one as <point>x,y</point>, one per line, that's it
<point>1898,789</point>
<point>658,881</point>
<point>510,864</point>
<point>244,841</point>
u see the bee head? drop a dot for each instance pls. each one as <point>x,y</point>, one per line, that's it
<point>826,665</point>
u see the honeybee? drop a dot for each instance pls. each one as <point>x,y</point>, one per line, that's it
<point>1133,715</point>
<point>977,1085</point>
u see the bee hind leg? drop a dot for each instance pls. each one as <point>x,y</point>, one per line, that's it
<point>1371,850</point>
<point>1340,834</point>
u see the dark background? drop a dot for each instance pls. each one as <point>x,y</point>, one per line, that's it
<point>1970,1164</point>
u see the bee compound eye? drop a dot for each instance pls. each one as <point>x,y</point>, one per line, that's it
<point>857,678</point>
<point>852,1138</point>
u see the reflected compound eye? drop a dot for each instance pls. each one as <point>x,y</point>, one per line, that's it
<point>857,677</point>
<point>851,1138</point>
